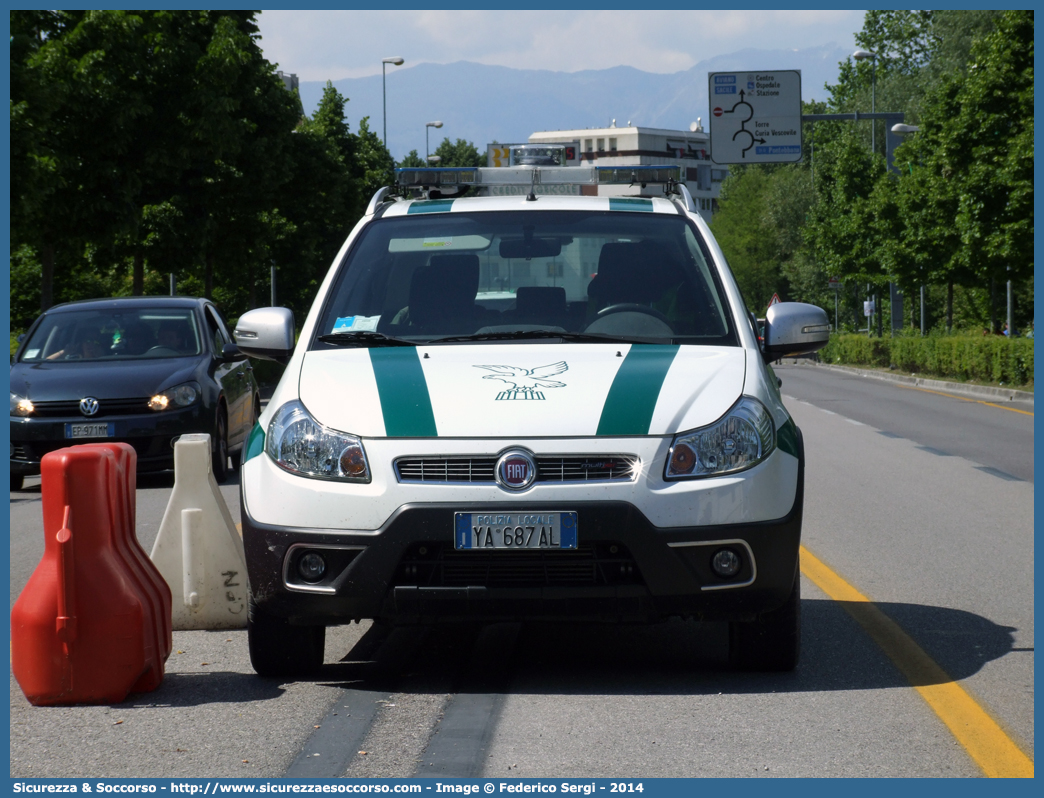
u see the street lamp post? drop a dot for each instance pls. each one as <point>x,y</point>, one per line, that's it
<point>908,130</point>
<point>1011,318</point>
<point>398,61</point>
<point>859,55</point>
<point>426,126</point>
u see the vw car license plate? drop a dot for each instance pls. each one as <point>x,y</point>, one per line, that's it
<point>514,530</point>
<point>101,430</point>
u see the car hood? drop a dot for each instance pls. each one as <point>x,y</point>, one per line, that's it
<point>521,390</point>
<point>124,379</point>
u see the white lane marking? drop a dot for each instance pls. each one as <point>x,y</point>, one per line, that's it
<point>853,421</point>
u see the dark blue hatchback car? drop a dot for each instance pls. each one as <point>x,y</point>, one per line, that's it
<point>141,370</point>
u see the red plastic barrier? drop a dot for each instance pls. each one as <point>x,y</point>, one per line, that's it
<point>93,622</point>
<point>151,582</point>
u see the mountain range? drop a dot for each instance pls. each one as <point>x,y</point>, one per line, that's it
<point>482,103</point>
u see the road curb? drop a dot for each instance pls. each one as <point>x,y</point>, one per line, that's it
<point>979,391</point>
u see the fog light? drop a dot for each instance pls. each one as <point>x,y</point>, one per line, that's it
<point>311,567</point>
<point>726,563</point>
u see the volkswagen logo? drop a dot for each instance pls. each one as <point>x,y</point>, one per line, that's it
<point>89,405</point>
<point>515,470</point>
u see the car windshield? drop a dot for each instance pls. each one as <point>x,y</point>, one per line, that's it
<point>113,334</point>
<point>629,276</point>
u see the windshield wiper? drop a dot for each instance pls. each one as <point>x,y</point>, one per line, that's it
<point>363,338</point>
<point>518,335</point>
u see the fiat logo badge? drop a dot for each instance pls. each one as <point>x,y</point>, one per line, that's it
<point>515,470</point>
<point>88,405</point>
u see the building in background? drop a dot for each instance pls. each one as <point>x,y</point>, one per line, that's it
<point>290,81</point>
<point>633,146</point>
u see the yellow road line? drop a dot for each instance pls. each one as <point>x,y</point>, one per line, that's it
<point>984,740</point>
<point>963,398</point>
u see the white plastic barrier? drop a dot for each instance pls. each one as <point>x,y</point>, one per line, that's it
<point>198,550</point>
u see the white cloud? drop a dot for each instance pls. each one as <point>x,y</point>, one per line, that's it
<point>330,45</point>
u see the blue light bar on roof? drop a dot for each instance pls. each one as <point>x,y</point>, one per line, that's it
<point>451,177</point>
<point>638,174</point>
<point>442,176</point>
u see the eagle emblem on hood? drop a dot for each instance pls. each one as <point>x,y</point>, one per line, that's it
<point>526,383</point>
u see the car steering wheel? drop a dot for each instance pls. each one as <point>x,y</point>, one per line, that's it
<point>161,350</point>
<point>598,324</point>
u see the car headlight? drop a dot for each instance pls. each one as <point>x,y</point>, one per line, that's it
<point>179,396</point>
<point>21,406</point>
<point>742,438</point>
<point>301,445</point>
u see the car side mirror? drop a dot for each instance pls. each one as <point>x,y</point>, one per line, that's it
<point>266,334</point>
<point>794,328</point>
<point>230,352</point>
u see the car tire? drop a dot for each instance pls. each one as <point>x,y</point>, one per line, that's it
<point>772,642</point>
<point>16,482</point>
<point>278,648</point>
<point>220,447</point>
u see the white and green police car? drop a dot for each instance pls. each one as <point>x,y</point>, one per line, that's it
<point>525,406</point>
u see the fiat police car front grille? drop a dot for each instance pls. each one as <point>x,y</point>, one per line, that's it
<point>575,468</point>
<point>463,469</point>
<point>590,565</point>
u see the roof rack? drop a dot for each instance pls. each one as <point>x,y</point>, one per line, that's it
<point>424,180</point>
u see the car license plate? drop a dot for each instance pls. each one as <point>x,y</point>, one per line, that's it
<point>514,530</point>
<point>101,430</point>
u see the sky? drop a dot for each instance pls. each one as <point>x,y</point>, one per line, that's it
<point>331,45</point>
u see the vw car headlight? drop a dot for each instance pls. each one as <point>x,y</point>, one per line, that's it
<point>20,405</point>
<point>179,396</point>
<point>301,445</point>
<point>742,438</point>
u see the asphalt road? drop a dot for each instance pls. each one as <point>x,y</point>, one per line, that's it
<point>994,433</point>
<point>941,543</point>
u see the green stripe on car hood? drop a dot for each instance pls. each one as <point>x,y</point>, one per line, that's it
<point>787,438</point>
<point>632,397</point>
<point>405,402</point>
<point>255,443</point>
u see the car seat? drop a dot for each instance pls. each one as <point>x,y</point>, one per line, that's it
<point>442,296</point>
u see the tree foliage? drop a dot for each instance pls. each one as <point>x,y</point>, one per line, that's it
<point>955,211</point>
<point>412,160</point>
<point>149,143</point>
<point>459,153</point>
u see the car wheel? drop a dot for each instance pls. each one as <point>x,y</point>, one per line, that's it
<point>16,482</point>
<point>220,447</point>
<point>279,649</point>
<point>773,641</point>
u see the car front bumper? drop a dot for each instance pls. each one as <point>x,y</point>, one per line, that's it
<point>152,435</point>
<point>625,569</point>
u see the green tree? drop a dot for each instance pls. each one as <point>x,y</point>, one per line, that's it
<point>459,153</point>
<point>138,103</point>
<point>149,142</point>
<point>375,166</point>
<point>412,160</point>
<point>744,236</point>
<point>967,195</point>
<point>321,202</point>
<point>959,211</point>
